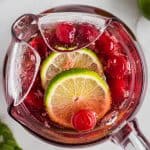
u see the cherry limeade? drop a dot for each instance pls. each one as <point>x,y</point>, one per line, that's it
<point>122,66</point>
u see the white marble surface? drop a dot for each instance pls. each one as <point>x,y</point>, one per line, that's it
<point>125,9</point>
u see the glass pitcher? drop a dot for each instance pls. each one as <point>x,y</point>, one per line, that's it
<point>21,69</point>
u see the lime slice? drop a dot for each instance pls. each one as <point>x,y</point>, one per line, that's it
<point>65,49</point>
<point>74,90</point>
<point>145,7</point>
<point>57,62</point>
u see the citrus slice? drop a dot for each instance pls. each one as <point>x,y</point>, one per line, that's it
<point>57,62</point>
<point>145,7</point>
<point>73,90</point>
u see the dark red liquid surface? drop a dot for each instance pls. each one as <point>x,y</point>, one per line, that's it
<point>122,65</point>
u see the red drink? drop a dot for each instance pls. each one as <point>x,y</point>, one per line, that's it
<point>116,48</point>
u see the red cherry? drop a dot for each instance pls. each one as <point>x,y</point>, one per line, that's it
<point>107,44</point>
<point>86,32</point>
<point>123,33</point>
<point>119,90</point>
<point>84,120</point>
<point>39,44</point>
<point>35,99</point>
<point>127,38</point>
<point>65,32</point>
<point>117,66</point>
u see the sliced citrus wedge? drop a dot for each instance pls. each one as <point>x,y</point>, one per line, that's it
<point>58,62</point>
<point>74,90</point>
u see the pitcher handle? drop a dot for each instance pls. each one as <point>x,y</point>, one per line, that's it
<point>130,137</point>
